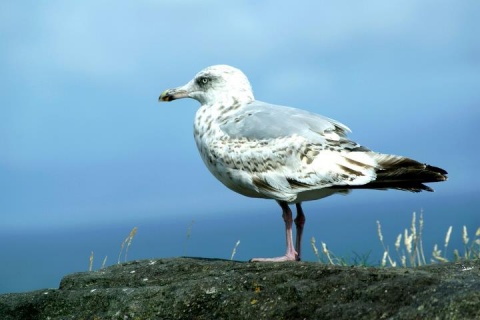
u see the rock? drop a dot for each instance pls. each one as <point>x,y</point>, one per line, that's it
<point>195,288</point>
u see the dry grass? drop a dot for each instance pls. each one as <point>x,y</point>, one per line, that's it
<point>189,233</point>
<point>126,244</point>
<point>234,251</point>
<point>328,257</point>
<point>408,248</point>
<point>90,265</point>
<point>327,253</point>
<point>412,253</point>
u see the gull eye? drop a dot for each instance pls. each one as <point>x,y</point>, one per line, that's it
<point>204,81</point>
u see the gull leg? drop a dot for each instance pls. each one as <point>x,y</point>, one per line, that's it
<point>291,254</point>
<point>299,223</point>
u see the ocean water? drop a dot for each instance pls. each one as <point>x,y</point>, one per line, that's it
<point>38,258</point>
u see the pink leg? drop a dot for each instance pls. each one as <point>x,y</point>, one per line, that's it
<point>299,223</point>
<point>291,254</point>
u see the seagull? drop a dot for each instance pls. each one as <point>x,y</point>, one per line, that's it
<point>262,150</point>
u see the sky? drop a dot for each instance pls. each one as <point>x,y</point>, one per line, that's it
<point>85,145</point>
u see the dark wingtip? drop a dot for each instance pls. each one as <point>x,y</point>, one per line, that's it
<point>437,174</point>
<point>436,169</point>
<point>426,188</point>
<point>408,175</point>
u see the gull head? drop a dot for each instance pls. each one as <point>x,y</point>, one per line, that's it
<point>216,84</point>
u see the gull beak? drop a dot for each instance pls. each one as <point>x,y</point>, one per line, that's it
<point>173,94</point>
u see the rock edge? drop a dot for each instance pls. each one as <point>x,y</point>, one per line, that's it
<point>197,288</point>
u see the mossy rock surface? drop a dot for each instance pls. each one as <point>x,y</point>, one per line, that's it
<point>196,288</point>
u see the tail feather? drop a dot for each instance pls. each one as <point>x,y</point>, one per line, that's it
<point>404,174</point>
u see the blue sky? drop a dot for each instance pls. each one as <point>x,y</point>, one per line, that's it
<point>84,141</point>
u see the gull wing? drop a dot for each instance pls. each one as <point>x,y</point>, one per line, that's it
<point>259,120</point>
<point>303,151</point>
